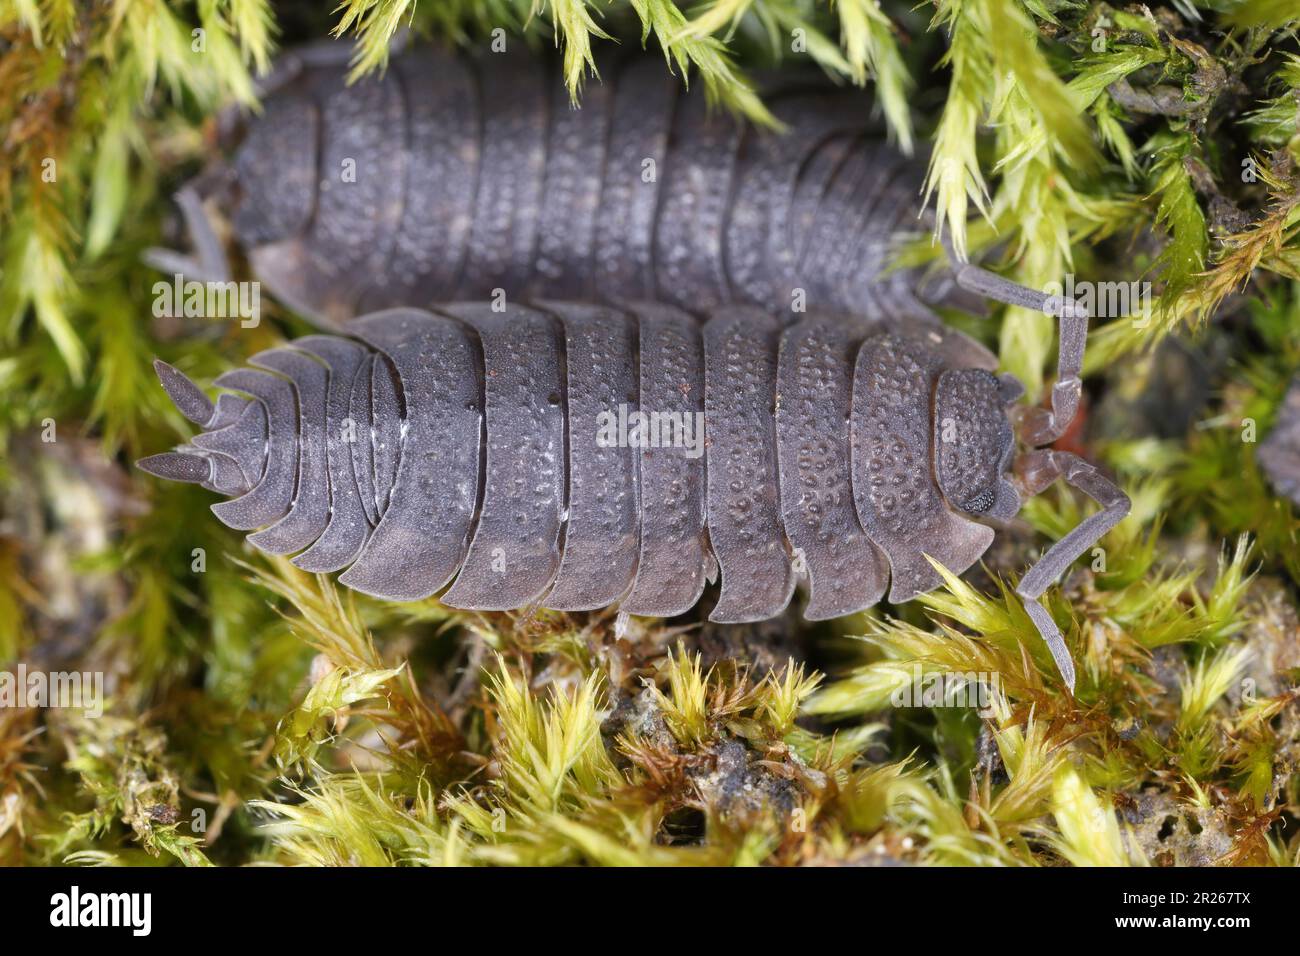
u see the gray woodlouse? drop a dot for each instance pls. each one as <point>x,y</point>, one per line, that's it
<point>452,177</point>
<point>462,446</point>
<point>459,446</point>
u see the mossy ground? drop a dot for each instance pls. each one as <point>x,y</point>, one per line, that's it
<point>258,714</point>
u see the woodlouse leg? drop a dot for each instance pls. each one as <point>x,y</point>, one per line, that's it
<point>1041,426</point>
<point>209,262</point>
<point>1039,469</point>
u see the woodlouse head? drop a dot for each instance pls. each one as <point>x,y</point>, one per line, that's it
<point>974,442</point>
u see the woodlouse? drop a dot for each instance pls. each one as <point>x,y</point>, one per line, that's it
<point>452,177</point>
<point>464,446</point>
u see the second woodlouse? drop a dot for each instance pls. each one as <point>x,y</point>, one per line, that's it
<point>457,177</point>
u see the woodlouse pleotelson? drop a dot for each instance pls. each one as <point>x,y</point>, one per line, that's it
<point>464,446</point>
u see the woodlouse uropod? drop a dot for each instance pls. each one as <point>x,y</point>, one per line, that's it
<point>459,446</point>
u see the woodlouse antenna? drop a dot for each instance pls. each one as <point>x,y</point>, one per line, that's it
<point>209,262</point>
<point>177,466</point>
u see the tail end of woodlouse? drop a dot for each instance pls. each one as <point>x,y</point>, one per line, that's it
<point>1037,470</point>
<point>237,438</point>
<point>287,269</point>
<point>1282,466</point>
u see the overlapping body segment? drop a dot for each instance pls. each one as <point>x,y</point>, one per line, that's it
<point>846,569</point>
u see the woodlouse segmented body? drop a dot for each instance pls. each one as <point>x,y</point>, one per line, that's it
<point>472,447</point>
<point>466,447</point>
<point>451,177</point>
